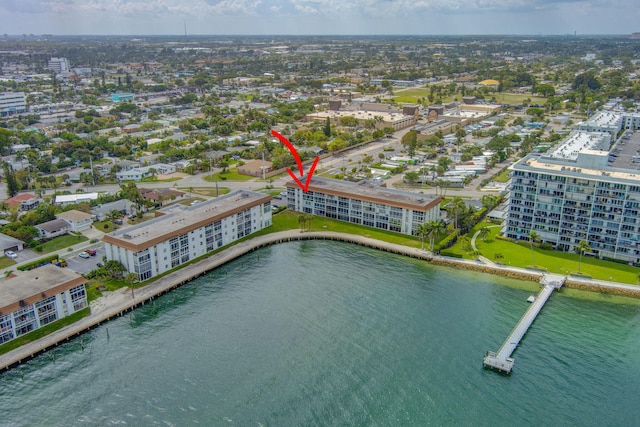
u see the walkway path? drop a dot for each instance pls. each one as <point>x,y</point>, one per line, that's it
<point>473,245</point>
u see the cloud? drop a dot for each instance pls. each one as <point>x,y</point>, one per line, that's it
<point>318,16</point>
<point>25,6</point>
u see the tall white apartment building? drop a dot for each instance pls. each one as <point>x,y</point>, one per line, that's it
<point>579,192</point>
<point>59,65</point>
<point>12,103</point>
<point>184,233</point>
<point>365,204</point>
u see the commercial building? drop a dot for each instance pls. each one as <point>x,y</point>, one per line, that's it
<point>183,233</point>
<point>611,122</point>
<point>381,115</point>
<point>59,65</point>
<point>38,297</point>
<point>12,103</point>
<point>364,203</point>
<point>603,121</point>
<point>579,193</point>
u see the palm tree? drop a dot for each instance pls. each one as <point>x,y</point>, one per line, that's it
<point>436,228</point>
<point>581,248</point>
<point>533,236</point>
<point>484,231</point>
<point>302,219</point>
<point>423,231</point>
<point>130,279</point>
<point>112,216</point>
<point>456,209</point>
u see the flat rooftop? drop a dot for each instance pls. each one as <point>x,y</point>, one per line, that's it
<point>566,169</point>
<point>388,117</point>
<point>179,219</point>
<point>365,190</point>
<point>604,118</point>
<point>578,141</point>
<point>35,285</point>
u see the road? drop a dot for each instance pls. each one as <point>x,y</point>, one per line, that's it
<point>332,164</point>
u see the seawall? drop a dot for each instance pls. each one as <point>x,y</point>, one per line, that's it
<point>164,284</point>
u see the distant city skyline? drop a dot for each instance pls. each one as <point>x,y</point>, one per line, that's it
<point>318,17</point>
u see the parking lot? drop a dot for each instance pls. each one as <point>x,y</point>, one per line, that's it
<point>85,265</point>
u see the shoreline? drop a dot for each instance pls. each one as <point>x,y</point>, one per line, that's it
<point>117,303</point>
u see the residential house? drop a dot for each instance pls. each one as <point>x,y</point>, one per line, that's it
<point>24,202</point>
<point>53,228</point>
<point>123,206</point>
<point>8,243</point>
<point>255,168</point>
<point>72,199</point>
<point>78,221</point>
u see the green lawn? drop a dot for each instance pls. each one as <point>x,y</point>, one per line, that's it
<point>104,226</point>
<point>519,255</point>
<point>502,176</point>
<point>6,262</point>
<point>413,95</point>
<point>43,331</point>
<point>62,242</point>
<point>230,175</point>
<point>288,220</point>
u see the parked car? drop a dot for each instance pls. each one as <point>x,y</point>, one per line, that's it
<point>83,254</point>
<point>91,252</point>
<point>10,254</point>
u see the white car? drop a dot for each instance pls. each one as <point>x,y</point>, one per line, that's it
<point>10,254</point>
<point>83,254</point>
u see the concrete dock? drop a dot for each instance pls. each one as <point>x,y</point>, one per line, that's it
<point>502,360</point>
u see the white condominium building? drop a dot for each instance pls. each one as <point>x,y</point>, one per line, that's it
<point>364,203</point>
<point>59,65</point>
<point>184,233</point>
<point>576,194</point>
<point>38,297</point>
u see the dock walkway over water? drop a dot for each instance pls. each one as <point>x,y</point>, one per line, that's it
<point>502,360</point>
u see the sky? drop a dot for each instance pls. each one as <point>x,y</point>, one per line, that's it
<point>318,17</point>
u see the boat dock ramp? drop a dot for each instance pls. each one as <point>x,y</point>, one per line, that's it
<point>502,360</point>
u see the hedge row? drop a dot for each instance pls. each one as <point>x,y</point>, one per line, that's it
<point>37,263</point>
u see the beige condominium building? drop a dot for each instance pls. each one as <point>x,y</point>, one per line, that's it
<point>37,297</point>
<point>183,233</point>
<point>364,203</point>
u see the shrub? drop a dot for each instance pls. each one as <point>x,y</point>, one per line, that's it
<point>447,241</point>
<point>546,246</point>
<point>38,248</point>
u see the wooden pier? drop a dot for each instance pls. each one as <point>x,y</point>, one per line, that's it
<point>502,360</point>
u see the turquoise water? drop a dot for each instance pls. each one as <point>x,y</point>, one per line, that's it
<point>325,333</point>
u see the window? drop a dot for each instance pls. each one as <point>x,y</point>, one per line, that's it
<point>46,310</point>
<point>78,297</point>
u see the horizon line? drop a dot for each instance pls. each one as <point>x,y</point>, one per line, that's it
<point>324,35</point>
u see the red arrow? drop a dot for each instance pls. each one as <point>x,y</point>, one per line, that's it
<point>296,156</point>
